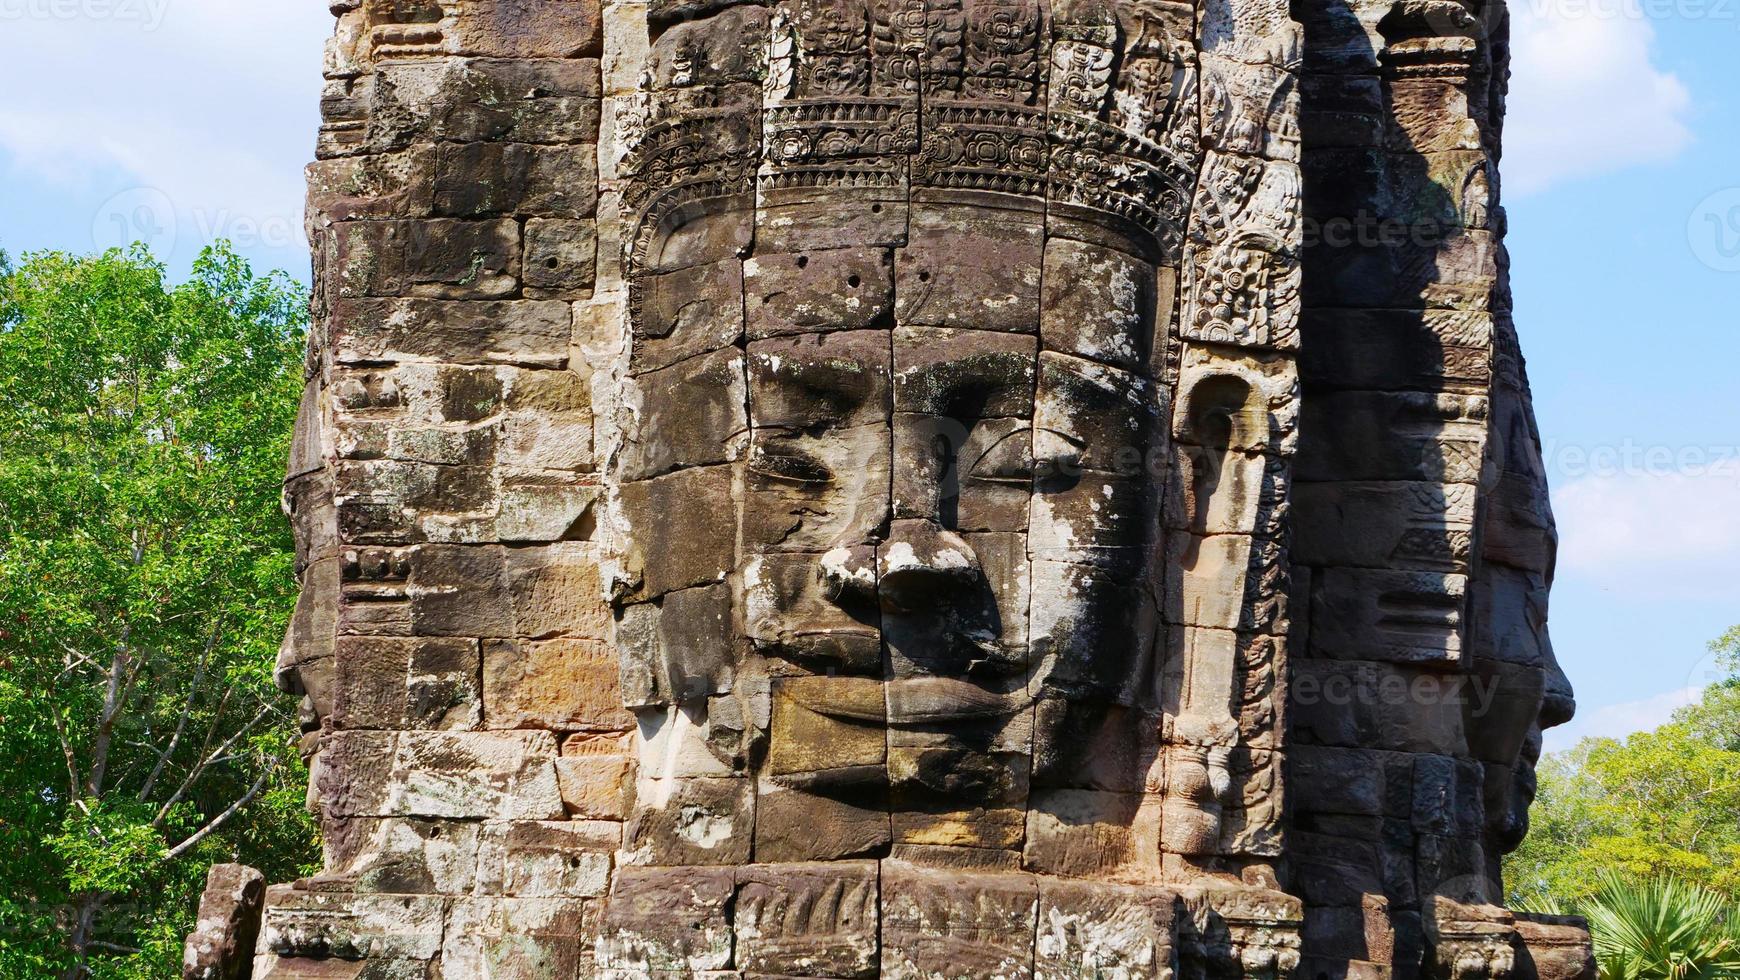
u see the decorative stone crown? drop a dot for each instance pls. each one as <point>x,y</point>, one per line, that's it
<point>1089,110</point>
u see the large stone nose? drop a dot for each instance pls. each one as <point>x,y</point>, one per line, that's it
<point>1559,703</point>
<point>924,566</point>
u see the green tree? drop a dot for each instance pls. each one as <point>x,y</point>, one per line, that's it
<point>145,577</point>
<point>1664,803</point>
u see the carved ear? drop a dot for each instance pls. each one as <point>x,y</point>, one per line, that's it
<point>1220,413</point>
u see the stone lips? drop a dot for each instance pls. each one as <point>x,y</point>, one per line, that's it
<point>1245,682</point>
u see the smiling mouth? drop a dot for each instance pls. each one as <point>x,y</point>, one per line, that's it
<point>918,702</point>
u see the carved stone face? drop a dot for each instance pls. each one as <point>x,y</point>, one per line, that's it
<point>1520,689</point>
<point>943,494</point>
<point>899,416</point>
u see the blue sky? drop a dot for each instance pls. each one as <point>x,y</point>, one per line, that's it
<point>181,121</point>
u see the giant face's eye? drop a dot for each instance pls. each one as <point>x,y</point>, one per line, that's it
<point>1056,456</point>
<point>1009,460</point>
<point>1026,455</point>
<point>780,459</point>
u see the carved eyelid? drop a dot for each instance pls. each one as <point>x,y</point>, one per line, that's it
<point>1025,436</point>
<point>798,466</point>
<point>845,381</point>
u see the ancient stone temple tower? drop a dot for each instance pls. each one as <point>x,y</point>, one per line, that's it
<point>913,489</point>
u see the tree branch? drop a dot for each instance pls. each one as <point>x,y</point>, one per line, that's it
<point>66,750</point>
<point>201,766</point>
<point>222,818</point>
<point>186,712</point>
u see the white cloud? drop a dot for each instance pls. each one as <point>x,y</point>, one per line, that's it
<point>1620,720</point>
<point>211,102</point>
<point>1653,535</point>
<point>1586,96</point>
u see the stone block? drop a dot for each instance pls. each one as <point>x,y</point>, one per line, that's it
<point>1087,833</point>
<point>1418,525</point>
<point>352,774</point>
<point>561,684</point>
<point>1554,948</point>
<point>687,312</point>
<point>793,219</point>
<point>1331,870</point>
<point>1388,615</point>
<point>542,101</point>
<point>521,938</point>
<point>593,776</point>
<point>682,528</point>
<point>823,724</point>
<point>957,796</point>
<point>540,510</point>
<point>434,258</point>
<point>556,591</point>
<point>678,648</point>
<point>686,415</point>
<point>1108,413</point>
<point>675,743</point>
<point>1391,436</point>
<point>668,920</point>
<point>789,613</point>
<point>407,683</point>
<point>962,374</point>
<point>959,269</point>
<point>460,590</point>
<point>820,380</point>
<point>1395,350</point>
<point>221,946</point>
<point>820,822</point>
<point>477,180</point>
<point>566,859</point>
<point>937,924</point>
<point>1098,304</point>
<point>1100,929</point>
<point>529,29</point>
<point>1094,631</point>
<point>1458,272</point>
<point>704,821</point>
<point>810,920</point>
<point>818,290</point>
<point>561,255</point>
<point>525,332</point>
<point>410,856</point>
<point>1337,780</point>
<point>352,927</point>
<point>504,775</point>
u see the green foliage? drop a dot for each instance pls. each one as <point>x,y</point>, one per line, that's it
<point>146,575</point>
<point>1659,804</point>
<point>1663,928</point>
